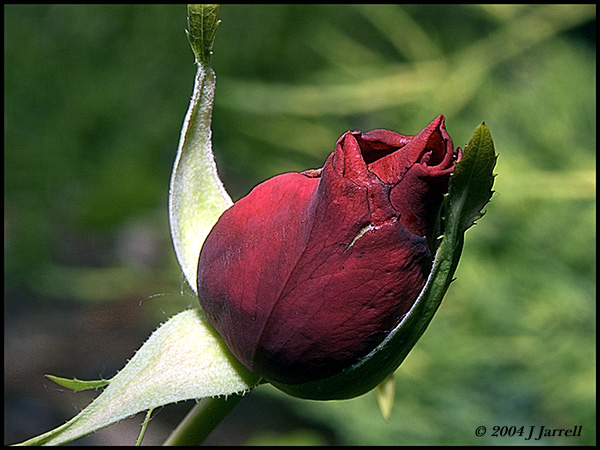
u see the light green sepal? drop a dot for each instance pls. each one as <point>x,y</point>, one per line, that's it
<point>183,359</point>
<point>196,195</point>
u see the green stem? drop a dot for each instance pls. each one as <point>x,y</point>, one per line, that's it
<point>202,420</point>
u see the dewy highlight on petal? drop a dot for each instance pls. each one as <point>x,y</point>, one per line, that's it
<point>310,271</point>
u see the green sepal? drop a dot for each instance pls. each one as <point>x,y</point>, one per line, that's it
<point>77,385</point>
<point>471,182</point>
<point>183,359</point>
<point>469,191</point>
<point>197,197</point>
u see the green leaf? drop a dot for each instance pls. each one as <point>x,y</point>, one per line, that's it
<point>202,24</point>
<point>196,196</point>
<point>470,190</point>
<point>78,385</point>
<point>183,359</point>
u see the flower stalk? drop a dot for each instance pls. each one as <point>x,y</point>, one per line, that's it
<point>202,420</point>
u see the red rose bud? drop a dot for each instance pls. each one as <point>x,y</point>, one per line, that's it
<point>309,272</point>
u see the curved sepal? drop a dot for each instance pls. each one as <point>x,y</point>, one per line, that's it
<point>471,183</point>
<point>183,359</point>
<point>196,195</point>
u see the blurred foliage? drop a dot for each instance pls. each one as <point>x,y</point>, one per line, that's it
<point>94,100</point>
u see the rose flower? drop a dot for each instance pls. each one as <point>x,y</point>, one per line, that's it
<point>310,271</point>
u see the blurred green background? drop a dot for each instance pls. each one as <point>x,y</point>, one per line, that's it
<point>94,101</point>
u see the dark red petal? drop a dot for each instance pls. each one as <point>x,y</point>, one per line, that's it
<point>392,167</point>
<point>330,316</point>
<point>248,255</point>
<point>419,173</point>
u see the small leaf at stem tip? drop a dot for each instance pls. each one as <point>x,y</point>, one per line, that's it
<point>202,24</point>
<point>77,385</point>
